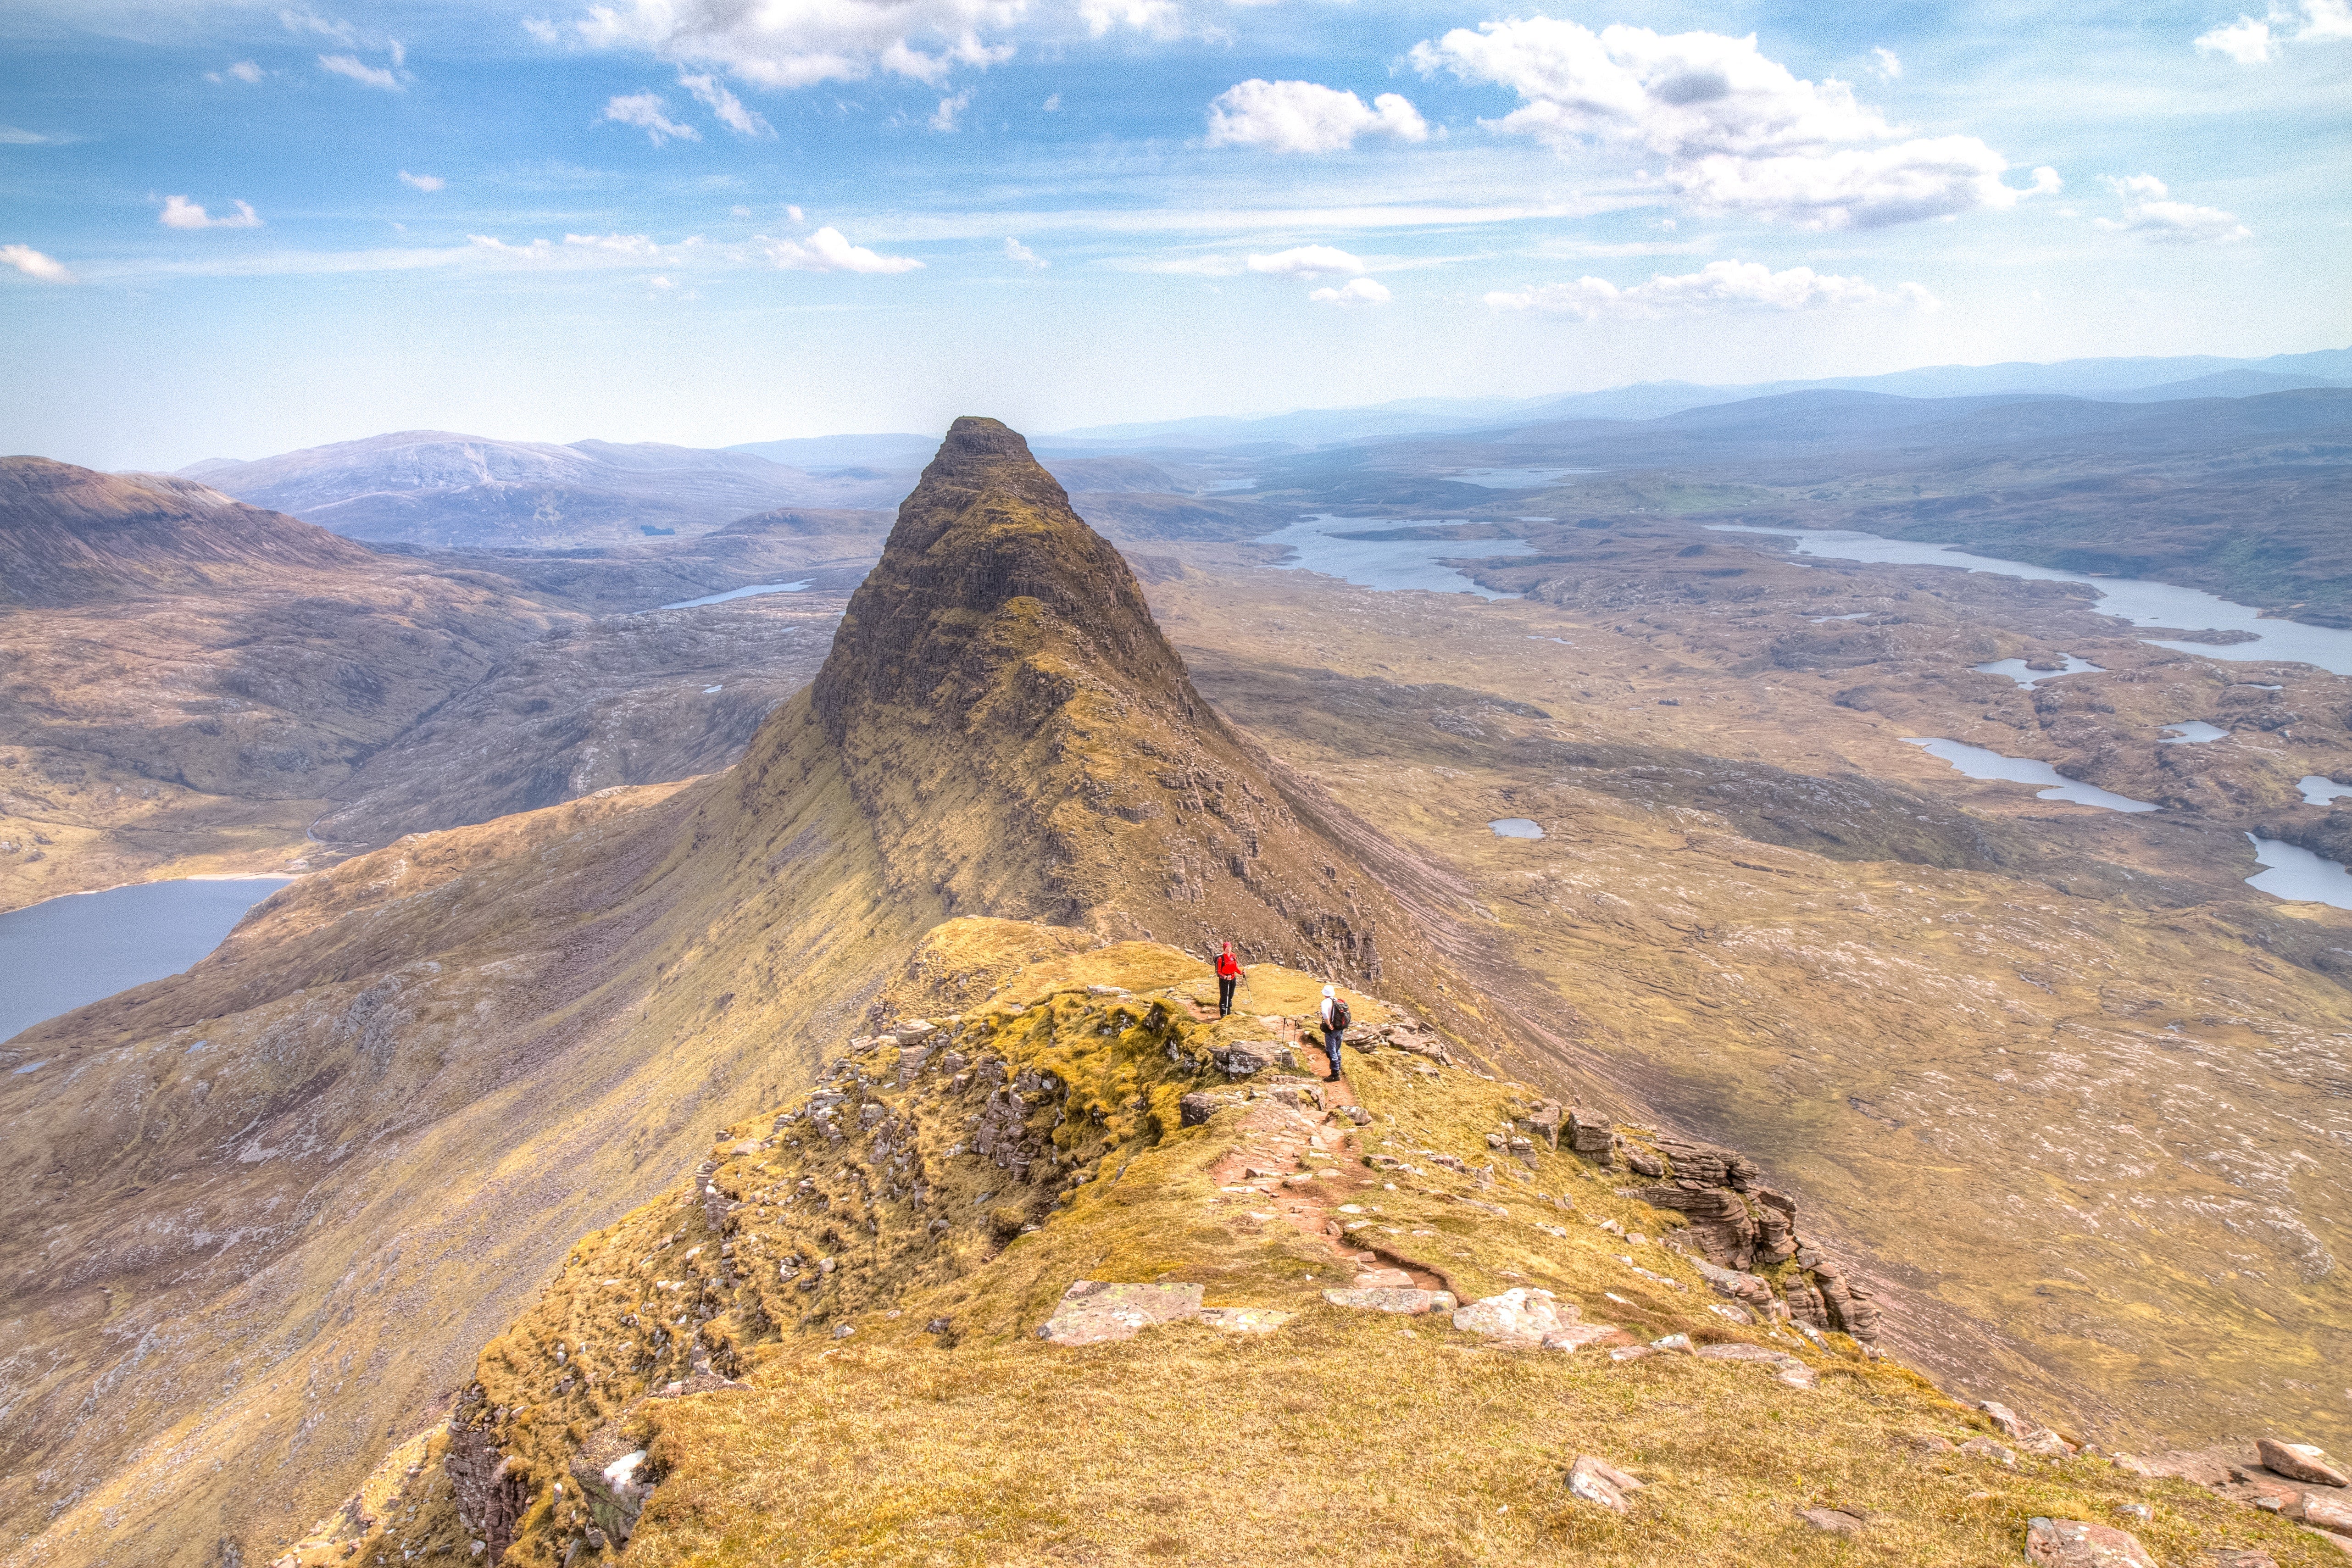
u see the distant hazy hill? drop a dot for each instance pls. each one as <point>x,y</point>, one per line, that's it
<point>2120,380</point>
<point>432,487</point>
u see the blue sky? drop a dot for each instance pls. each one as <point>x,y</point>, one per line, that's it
<point>233,230</point>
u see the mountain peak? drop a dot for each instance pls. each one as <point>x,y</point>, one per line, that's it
<point>1024,742</point>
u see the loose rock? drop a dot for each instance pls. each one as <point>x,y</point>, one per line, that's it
<point>1596,1481</point>
<point>2074,1543</point>
<point>1831,1520</point>
<point>1411,1302</point>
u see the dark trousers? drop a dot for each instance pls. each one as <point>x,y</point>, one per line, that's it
<point>1331,1049</point>
<point>1225,983</point>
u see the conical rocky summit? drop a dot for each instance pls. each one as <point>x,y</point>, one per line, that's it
<point>1026,744</point>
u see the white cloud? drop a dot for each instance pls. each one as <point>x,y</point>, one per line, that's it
<point>1053,103</point>
<point>827,251</point>
<point>622,244</point>
<point>361,71</point>
<point>1718,286</point>
<point>791,43</point>
<point>422,182</point>
<point>35,265</point>
<point>649,112</point>
<point>1886,63</point>
<point>2254,41</point>
<point>1738,132</point>
<point>1158,18</point>
<point>728,108</point>
<point>1188,265</point>
<point>309,22</point>
<point>1355,291</point>
<point>536,250</point>
<point>244,71</point>
<point>179,212</point>
<point>1307,261</point>
<point>794,213</point>
<point>2148,212</point>
<point>1305,117</point>
<point>2245,40</point>
<point>1021,253</point>
<point>943,119</point>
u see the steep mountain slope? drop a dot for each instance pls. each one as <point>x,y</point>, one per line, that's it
<point>434,487</point>
<point>325,1164</point>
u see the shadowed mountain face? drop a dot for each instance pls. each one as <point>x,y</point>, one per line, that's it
<point>310,1177</point>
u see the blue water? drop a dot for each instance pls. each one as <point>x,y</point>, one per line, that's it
<point>752,591</point>
<point>2318,790</point>
<point>1980,763</point>
<point>2015,670</point>
<point>67,952</point>
<point>1515,827</point>
<point>2297,873</point>
<point>2136,599</point>
<point>1392,563</point>
<point>2191,732</point>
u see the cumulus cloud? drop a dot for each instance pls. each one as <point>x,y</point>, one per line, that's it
<point>827,251</point>
<point>2254,41</point>
<point>1016,251</point>
<point>1158,18</point>
<point>1307,261</point>
<point>650,112</point>
<point>713,94</point>
<point>1886,63</point>
<point>422,182</point>
<point>1305,117</point>
<point>342,32</point>
<point>1355,291</point>
<point>244,71</point>
<point>2149,212</point>
<point>1718,286</point>
<point>1737,132</point>
<point>179,212</point>
<point>33,264</point>
<point>360,72</point>
<point>792,43</point>
<point>943,119</point>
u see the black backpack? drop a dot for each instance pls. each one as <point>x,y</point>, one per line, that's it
<point>1340,1017</point>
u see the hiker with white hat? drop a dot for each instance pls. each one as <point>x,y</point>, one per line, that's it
<point>1336,1019</point>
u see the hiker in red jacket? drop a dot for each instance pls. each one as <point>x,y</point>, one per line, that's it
<point>1229,974</point>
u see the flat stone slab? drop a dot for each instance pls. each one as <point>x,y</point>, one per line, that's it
<point>1244,1320</point>
<point>1520,1315</point>
<point>1596,1481</point>
<point>1576,1336</point>
<point>1785,1367</point>
<point>2073,1544</point>
<point>1390,1299</point>
<point>2301,1462</point>
<point>1093,1310</point>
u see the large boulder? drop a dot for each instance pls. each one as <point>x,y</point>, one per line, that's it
<point>2300,1462</point>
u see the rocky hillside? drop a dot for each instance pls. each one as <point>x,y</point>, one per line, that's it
<point>1074,1270</point>
<point>71,535</point>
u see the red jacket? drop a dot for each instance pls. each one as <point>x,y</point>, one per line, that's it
<point>1228,966</point>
